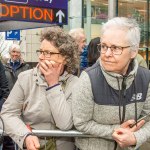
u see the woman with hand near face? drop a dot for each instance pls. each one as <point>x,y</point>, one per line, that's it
<point>41,97</point>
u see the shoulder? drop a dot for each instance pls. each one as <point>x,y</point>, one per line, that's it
<point>69,79</point>
<point>93,67</point>
<point>25,65</point>
<point>141,61</point>
<point>144,73</point>
<point>25,74</point>
<point>143,70</point>
<point>84,80</point>
<point>72,78</point>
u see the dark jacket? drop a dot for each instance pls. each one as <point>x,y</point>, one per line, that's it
<point>12,72</point>
<point>4,90</point>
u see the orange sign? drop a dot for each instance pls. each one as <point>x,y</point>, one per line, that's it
<point>26,13</point>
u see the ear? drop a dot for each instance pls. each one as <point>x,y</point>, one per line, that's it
<point>133,54</point>
<point>64,62</point>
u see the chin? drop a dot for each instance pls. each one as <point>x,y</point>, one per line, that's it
<point>109,69</point>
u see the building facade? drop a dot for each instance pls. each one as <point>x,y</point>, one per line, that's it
<point>90,15</point>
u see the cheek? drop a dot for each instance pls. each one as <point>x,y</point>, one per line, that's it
<point>58,59</point>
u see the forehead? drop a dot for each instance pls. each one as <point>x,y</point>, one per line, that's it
<point>47,45</point>
<point>114,36</point>
<point>15,49</point>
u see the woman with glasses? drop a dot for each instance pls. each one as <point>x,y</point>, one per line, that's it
<point>114,93</point>
<point>41,97</point>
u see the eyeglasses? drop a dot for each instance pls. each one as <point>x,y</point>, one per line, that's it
<point>45,53</point>
<point>18,52</point>
<point>116,50</point>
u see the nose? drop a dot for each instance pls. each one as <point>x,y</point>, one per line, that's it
<point>108,52</point>
<point>41,56</point>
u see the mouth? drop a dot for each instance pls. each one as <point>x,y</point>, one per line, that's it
<point>108,61</point>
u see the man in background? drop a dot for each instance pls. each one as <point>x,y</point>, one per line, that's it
<point>14,65</point>
<point>79,35</point>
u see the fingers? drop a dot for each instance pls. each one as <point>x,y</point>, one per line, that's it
<point>54,64</point>
<point>124,137</point>
<point>127,124</point>
<point>138,126</point>
<point>36,143</point>
<point>32,142</point>
<point>117,136</point>
<point>45,65</point>
<point>49,65</point>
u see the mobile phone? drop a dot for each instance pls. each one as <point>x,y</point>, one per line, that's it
<point>142,118</point>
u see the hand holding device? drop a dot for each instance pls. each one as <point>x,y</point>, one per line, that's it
<point>142,118</point>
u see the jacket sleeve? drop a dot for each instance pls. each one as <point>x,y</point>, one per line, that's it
<point>11,115</point>
<point>83,106</point>
<point>4,90</point>
<point>59,100</point>
<point>143,134</point>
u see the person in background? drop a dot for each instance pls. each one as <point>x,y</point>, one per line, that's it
<point>114,93</point>
<point>4,90</point>
<point>141,61</point>
<point>14,65</point>
<point>79,35</point>
<point>41,97</point>
<point>93,52</point>
<point>83,59</point>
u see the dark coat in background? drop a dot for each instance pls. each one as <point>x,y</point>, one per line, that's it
<point>4,90</point>
<point>93,52</point>
<point>12,71</point>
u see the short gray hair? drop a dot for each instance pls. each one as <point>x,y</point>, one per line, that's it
<point>77,33</point>
<point>128,24</point>
<point>14,46</point>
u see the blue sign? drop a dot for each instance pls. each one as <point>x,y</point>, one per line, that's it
<point>12,35</point>
<point>17,1</point>
<point>59,4</point>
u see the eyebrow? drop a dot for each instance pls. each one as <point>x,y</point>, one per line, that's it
<point>112,44</point>
<point>45,50</point>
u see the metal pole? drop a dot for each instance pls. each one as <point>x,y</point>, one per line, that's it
<point>88,21</point>
<point>147,39</point>
<point>82,24</point>
<point>116,7</point>
<point>57,133</point>
<point>112,9</point>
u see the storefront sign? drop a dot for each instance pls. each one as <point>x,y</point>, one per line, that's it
<point>59,4</point>
<point>33,14</point>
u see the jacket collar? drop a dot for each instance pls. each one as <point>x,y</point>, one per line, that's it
<point>111,77</point>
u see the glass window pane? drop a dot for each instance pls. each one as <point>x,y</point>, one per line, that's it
<point>99,15</point>
<point>137,9</point>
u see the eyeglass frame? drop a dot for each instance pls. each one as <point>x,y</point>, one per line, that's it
<point>46,51</point>
<point>119,47</point>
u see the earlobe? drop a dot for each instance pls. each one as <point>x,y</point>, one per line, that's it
<point>64,61</point>
<point>133,54</point>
